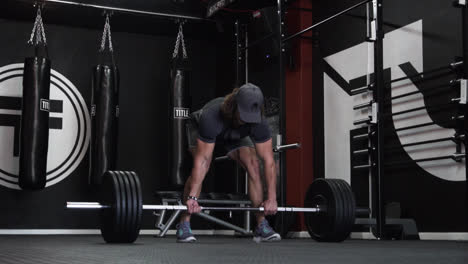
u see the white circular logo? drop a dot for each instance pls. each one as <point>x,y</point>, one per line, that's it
<point>69,126</point>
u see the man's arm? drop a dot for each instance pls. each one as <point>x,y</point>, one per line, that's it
<point>201,164</point>
<point>265,152</point>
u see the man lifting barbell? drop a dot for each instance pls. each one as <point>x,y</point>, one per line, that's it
<point>236,123</point>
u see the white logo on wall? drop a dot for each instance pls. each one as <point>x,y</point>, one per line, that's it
<point>401,46</point>
<point>69,126</point>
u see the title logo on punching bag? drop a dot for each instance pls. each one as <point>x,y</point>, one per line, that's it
<point>44,105</point>
<point>181,113</point>
<point>69,126</point>
<point>93,110</point>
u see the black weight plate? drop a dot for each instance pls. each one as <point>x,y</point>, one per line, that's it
<point>129,189</point>
<point>134,208</point>
<point>283,224</point>
<point>134,204</point>
<point>350,202</point>
<point>124,202</point>
<point>324,226</point>
<point>342,211</point>
<point>335,230</point>
<point>123,212</point>
<point>110,217</point>
<point>128,206</point>
<point>139,208</point>
<point>338,233</point>
<point>319,224</point>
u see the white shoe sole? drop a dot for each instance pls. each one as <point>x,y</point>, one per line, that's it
<point>187,240</point>
<point>272,238</point>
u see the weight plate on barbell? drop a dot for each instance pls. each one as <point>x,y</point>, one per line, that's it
<point>110,217</point>
<point>131,206</point>
<point>121,222</point>
<point>339,233</point>
<point>123,204</point>
<point>350,202</point>
<point>118,229</point>
<point>342,233</point>
<point>326,226</point>
<point>136,205</point>
<point>139,199</point>
<point>127,205</point>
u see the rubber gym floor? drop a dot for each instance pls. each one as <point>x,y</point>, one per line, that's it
<point>222,249</point>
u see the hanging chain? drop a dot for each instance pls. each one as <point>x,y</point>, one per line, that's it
<point>105,35</point>
<point>38,31</point>
<point>180,40</point>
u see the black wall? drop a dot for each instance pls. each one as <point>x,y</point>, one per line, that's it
<point>144,93</point>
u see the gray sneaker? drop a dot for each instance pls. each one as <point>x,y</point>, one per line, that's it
<point>264,233</point>
<point>184,233</point>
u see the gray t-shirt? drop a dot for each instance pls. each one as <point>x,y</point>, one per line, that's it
<point>212,127</point>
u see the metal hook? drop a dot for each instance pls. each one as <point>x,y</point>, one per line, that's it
<point>39,4</point>
<point>180,21</point>
<point>108,13</point>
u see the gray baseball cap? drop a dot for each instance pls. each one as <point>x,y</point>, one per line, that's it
<point>249,100</point>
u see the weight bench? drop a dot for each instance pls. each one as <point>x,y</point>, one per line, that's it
<point>175,198</point>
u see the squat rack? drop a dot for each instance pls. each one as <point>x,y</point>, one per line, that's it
<point>376,35</point>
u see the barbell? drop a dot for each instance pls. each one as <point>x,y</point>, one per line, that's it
<point>329,215</point>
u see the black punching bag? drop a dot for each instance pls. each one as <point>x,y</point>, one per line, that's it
<point>178,147</point>
<point>104,114</point>
<point>104,121</point>
<point>180,109</point>
<point>34,131</point>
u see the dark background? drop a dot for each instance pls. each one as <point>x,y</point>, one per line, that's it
<point>143,47</point>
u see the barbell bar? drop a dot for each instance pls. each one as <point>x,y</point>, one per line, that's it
<point>329,211</point>
<point>318,209</point>
<point>279,148</point>
<point>94,205</point>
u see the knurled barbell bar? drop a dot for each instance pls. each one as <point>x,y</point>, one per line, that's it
<point>94,205</point>
<point>329,214</point>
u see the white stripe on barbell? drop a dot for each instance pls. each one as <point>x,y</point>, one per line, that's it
<point>85,205</point>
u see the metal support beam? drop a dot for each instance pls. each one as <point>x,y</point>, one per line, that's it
<point>238,58</point>
<point>325,20</point>
<point>377,155</point>
<point>169,223</point>
<point>464,9</point>
<point>223,223</point>
<point>125,10</point>
<point>282,99</point>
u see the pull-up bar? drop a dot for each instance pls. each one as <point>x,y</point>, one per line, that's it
<point>325,20</point>
<point>124,10</point>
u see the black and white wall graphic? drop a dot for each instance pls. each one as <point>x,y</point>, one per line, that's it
<point>415,41</point>
<point>144,61</point>
<point>69,126</point>
<point>403,51</point>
